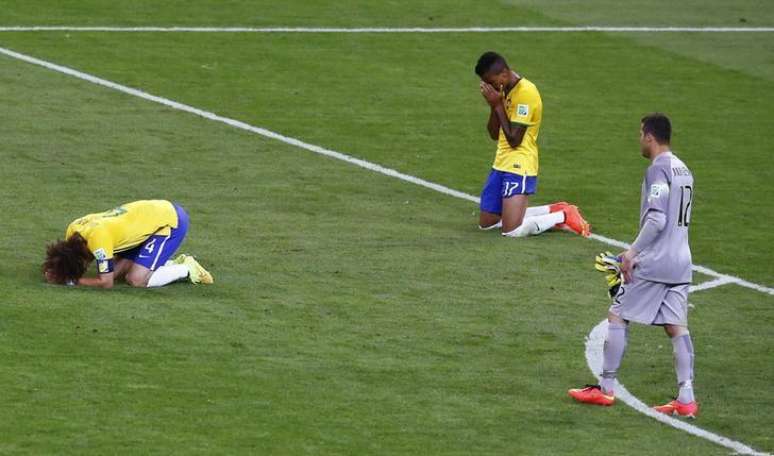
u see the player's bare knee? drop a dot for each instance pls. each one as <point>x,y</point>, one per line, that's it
<point>613,318</point>
<point>488,220</point>
<point>675,330</point>
<point>137,280</point>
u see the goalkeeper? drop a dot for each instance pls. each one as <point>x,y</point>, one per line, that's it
<point>656,272</point>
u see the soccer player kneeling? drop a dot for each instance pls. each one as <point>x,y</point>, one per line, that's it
<point>656,272</point>
<point>515,115</point>
<point>134,241</point>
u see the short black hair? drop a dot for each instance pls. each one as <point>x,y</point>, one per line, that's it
<point>658,125</point>
<point>488,61</point>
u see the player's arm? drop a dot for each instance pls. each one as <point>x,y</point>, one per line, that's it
<point>657,184</point>
<point>493,125</point>
<point>514,132</point>
<point>103,255</point>
<point>101,281</point>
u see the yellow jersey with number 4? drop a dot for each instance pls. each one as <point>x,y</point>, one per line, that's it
<point>124,227</point>
<point>523,106</point>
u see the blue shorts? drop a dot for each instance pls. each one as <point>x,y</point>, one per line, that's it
<point>501,185</point>
<point>157,249</point>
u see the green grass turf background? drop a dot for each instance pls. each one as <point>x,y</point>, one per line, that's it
<point>354,313</point>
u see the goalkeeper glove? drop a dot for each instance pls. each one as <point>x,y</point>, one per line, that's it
<point>611,265</point>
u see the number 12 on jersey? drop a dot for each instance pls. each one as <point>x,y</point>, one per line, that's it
<point>686,197</point>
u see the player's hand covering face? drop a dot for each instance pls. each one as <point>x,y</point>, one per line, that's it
<point>489,93</point>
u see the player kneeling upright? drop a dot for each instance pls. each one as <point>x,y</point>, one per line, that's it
<point>133,241</point>
<point>656,270</point>
<point>516,111</point>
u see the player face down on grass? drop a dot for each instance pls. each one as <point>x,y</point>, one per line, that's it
<point>118,240</point>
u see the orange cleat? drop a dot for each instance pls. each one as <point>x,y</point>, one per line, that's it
<point>574,221</point>
<point>558,206</point>
<point>592,394</point>
<point>689,410</point>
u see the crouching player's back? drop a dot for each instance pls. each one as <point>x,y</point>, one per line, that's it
<point>134,241</point>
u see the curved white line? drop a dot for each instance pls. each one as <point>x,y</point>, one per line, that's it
<point>594,345</point>
<point>572,29</point>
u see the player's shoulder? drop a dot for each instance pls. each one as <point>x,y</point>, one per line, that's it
<point>529,86</point>
<point>659,169</point>
<point>674,166</point>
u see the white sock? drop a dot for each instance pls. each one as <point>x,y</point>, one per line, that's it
<point>491,227</point>
<point>537,225</point>
<point>167,274</point>
<point>537,210</point>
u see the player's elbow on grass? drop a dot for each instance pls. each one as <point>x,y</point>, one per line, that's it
<point>105,281</point>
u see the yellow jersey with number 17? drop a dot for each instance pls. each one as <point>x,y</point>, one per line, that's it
<point>523,106</point>
<point>124,227</point>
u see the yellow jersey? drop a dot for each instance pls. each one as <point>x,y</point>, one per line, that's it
<point>523,106</point>
<point>123,228</point>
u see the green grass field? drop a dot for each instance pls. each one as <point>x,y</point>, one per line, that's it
<point>354,313</point>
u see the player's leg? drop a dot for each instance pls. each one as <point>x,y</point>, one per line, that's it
<point>138,276</point>
<point>148,260</point>
<point>682,348</point>
<point>572,220</point>
<point>534,211</point>
<point>514,209</point>
<point>613,351</point>
<point>489,221</point>
<point>126,266</point>
<point>151,268</point>
<point>674,316</point>
<point>637,301</point>
<point>491,202</point>
<point>121,267</point>
<point>515,201</point>
<point>165,271</point>
<point>171,271</point>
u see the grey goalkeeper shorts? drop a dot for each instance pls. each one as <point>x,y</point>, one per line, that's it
<point>652,303</point>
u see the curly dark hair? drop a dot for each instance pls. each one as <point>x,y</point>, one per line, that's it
<point>67,260</point>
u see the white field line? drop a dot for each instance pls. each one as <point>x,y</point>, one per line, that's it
<point>528,29</point>
<point>594,346</point>
<point>710,284</point>
<point>595,334</point>
<point>572,29</point>
<point>319,150</point>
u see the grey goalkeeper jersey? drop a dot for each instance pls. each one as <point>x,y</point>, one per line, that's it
<point>667,188</point>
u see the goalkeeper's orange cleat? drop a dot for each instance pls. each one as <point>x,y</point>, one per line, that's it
<point>574,221</point>
<point>592,394</point>
<point>689,410</point>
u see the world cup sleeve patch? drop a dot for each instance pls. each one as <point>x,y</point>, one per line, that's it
<point>100,254</point>
<point>522,110</point>
<point>656,190</point>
